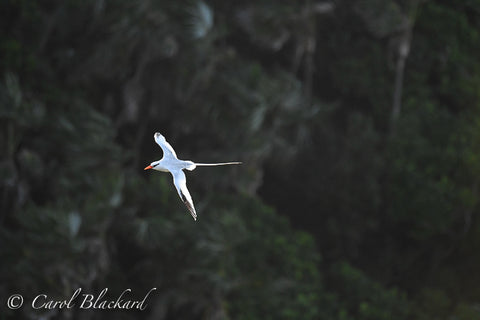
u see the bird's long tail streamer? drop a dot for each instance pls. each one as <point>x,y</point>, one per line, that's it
<point>215,164</point>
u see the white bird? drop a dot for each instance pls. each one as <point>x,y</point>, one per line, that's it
<point>170,163</point>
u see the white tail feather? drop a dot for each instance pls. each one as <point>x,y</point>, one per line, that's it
<point>215,164</point>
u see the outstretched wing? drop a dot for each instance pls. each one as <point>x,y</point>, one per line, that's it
<point>168,151</point>
<point>180,182</point>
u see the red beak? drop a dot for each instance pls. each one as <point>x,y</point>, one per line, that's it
<point>149,167</point>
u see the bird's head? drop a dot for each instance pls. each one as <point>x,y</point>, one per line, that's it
<point>151,166</point>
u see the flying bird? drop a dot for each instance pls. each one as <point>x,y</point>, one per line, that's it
<point>170,163</point>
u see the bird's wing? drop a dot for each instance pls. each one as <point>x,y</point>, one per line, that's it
<point>168,151</point>
<point>180,182</point>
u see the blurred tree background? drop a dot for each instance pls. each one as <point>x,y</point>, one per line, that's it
<point>358,123</point>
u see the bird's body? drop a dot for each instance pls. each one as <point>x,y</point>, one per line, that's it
<point>170,163</point>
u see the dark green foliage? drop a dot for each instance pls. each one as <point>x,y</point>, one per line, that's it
<point>362,298</point>
<point>369,216</point>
